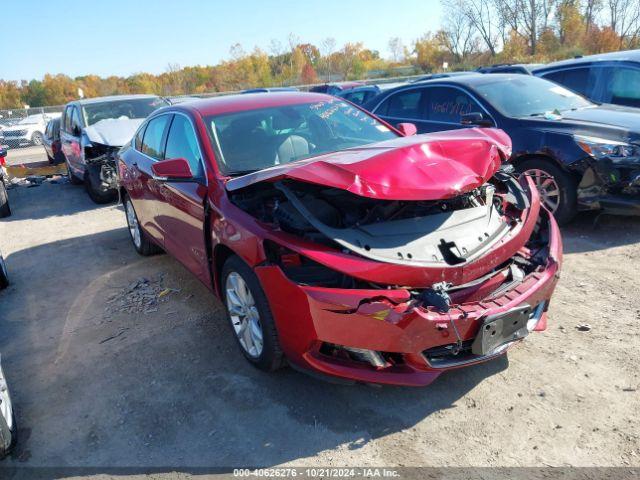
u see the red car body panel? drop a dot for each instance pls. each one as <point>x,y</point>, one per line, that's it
<point>195,222</point>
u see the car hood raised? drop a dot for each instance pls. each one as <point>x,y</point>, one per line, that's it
<point>113,132</point>
<point>422,167</point>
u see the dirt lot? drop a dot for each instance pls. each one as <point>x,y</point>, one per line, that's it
<point>105,373</point>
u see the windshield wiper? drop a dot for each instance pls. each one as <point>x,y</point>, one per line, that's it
<point>239,173</point>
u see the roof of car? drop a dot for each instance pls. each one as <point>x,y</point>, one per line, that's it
<point>240,102</point>
<point>111,98</point>
<point>625,55</point>
<point>470,80</point>
<point>498,66</point>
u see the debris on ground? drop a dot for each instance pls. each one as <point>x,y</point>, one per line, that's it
<point>140,296</point>
<point>583,327</point>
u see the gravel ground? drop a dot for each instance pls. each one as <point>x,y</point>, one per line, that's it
<point>118,360</point>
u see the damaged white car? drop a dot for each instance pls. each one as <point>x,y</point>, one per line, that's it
<point>93,130</point>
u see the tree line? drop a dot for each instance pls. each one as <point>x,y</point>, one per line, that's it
<point>473,33</point>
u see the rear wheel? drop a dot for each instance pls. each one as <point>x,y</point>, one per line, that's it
<point>250,316</point>
<point>557,188</point>
<point>5,210</point>
<point>141,242</point>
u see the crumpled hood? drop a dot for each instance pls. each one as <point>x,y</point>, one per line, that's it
<point>113,132</point>
<point>422,167</point>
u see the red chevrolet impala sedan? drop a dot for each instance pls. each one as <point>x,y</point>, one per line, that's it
<point>339,244</point>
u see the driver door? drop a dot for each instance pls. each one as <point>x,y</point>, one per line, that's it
<point>180,214</point>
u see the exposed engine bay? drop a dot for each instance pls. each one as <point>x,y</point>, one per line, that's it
<point>440,233</point>
<point>101,164</point>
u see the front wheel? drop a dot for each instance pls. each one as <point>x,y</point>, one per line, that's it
<point>5,210</point>
<point>97,192</point>
<point>4,274</point>
<point>250,316</point>
<point>36,138</point>
<point>557,188</point>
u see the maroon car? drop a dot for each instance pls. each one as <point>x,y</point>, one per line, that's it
<point>341,244</point>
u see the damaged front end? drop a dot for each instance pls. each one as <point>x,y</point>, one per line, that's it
<point>611,176</point>
<point>100,161</point>
<point>375,283</point>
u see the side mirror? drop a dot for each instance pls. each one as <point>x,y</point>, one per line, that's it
<point>76,131</point>
<point>475,119</point>
<point>407,129</point>
<point>3,153</point>
<point>172,170</point>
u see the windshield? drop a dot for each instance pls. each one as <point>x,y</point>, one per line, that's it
<point>526,96</point>
<point>133,108</point>
<point>256,139</point>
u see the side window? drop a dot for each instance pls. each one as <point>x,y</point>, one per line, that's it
<point>405,104</point>
<point>356,97</point>
<point>139,135</point>
<point>622,86</point>
<point>581,80</point>
<point>152,141</point>
<point>182,143</point>
<point>449,104</point>
<point>66,126</point>
<point>75,120</point>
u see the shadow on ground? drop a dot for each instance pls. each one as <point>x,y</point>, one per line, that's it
<point>22,209</point>
<point>170,388</point>
<point>590,231</point>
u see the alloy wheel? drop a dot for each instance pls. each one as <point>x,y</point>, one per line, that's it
<point>547,188</point>
<point>244,315</point>
<point>132,221</point>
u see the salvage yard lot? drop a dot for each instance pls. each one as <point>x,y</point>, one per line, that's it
<point>118,360</point>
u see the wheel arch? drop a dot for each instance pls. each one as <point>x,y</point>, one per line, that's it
<point>220,254</point>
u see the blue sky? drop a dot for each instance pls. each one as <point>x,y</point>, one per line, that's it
<point>122,37</point>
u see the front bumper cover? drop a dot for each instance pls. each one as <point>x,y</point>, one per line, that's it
<point>384,321</point>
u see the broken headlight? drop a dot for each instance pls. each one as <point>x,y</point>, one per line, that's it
<point>600,148</point>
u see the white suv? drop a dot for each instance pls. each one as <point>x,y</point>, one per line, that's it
<point>29,130</point>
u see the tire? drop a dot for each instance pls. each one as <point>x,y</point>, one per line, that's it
<point>97,193</point>
<point>270,357</point>
<point>4,275</point>
<point>7,435</point>
<point>141,242</point>
<point>5,210</point>
<point>36,138</point>
<point>73,180</point>
<point>544,171</point>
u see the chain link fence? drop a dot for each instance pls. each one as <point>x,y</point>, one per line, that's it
<point>26,126</point>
